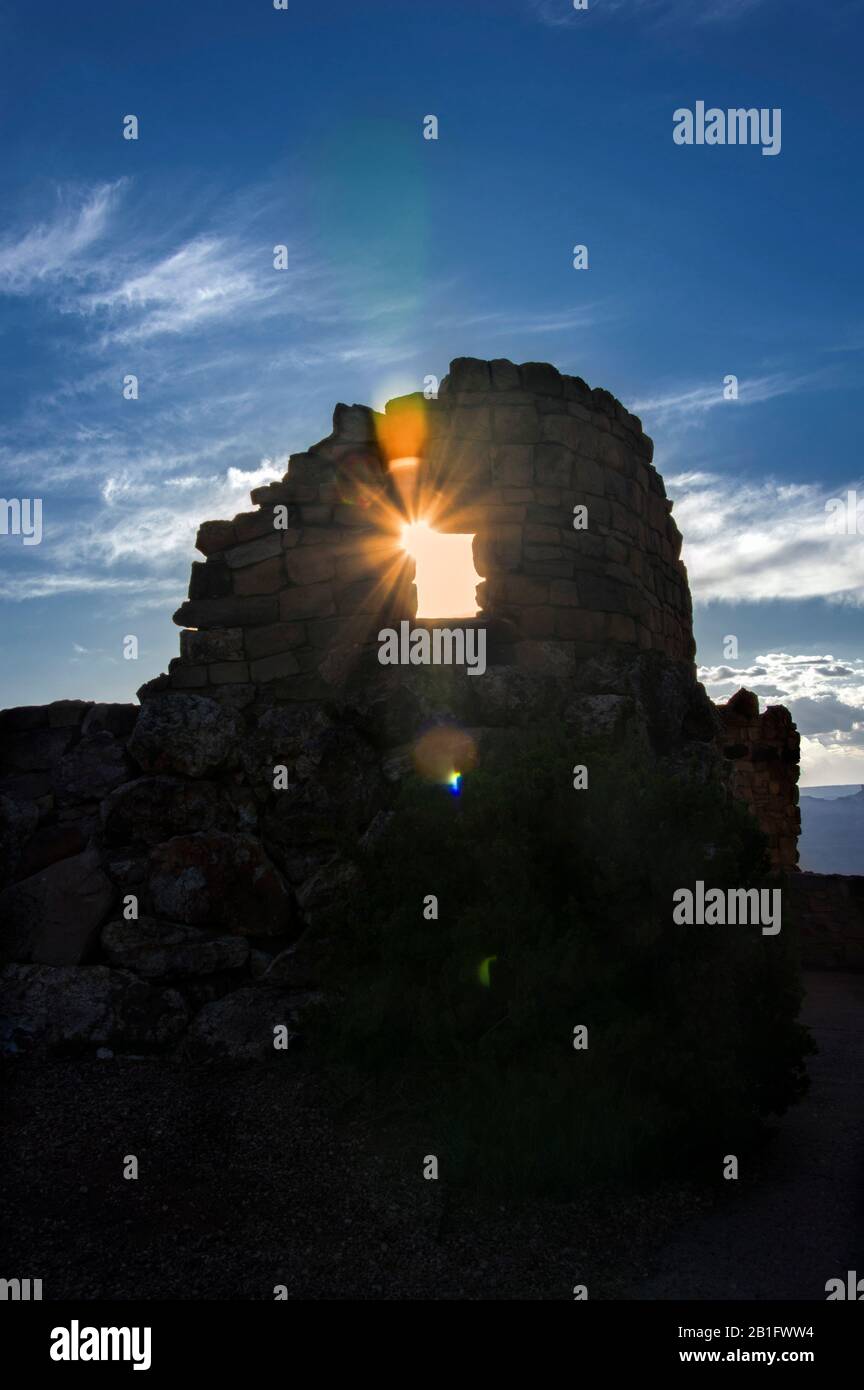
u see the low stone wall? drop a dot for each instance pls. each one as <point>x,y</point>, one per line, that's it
<point>764,750</point>
<point>139,906</point>
<point>157,889</point>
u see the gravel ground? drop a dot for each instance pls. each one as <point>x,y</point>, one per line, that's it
<point>248,1179</point>
<point>288,1174</point>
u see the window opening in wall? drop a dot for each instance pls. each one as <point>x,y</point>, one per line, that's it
<point>445,575</point>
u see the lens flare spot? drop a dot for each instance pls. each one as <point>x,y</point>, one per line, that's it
<point>483,971</point>
<point>402,430</point>
<point>443,753</point>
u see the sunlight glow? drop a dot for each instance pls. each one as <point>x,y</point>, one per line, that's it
<point>446,578</point>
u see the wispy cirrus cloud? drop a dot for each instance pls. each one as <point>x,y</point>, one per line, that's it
<point>498,323</point>
<point>18,588</point>
<point>56,249</point>
<point>204,280</point>
<point>131,281</point>
<point>690,404</point>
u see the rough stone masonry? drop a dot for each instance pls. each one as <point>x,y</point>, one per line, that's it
<point>160,888</point>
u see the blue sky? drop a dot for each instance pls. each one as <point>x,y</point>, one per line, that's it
<point>304,127</point>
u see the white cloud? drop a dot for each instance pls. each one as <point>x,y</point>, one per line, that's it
<point>141,527</point>
<point>765,540</point>
<point>837,765</point>
<point>151,539</point>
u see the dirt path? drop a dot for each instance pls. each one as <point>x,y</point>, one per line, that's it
<point>799,1220</point>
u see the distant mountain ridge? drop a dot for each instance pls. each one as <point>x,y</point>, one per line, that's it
<point>832,830</point>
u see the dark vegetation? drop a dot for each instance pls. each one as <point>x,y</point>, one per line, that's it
<point>555,910</point>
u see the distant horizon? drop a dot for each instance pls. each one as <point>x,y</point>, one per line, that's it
<point>833,786</point>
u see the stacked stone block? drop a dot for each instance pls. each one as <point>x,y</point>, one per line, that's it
<point>309,573</point>
<point>520,448</point>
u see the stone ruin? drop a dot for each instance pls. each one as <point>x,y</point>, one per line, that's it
<point>155,847</point>
<point>505,453</point>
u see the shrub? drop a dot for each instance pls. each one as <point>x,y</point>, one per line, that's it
<point>555,910</point>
